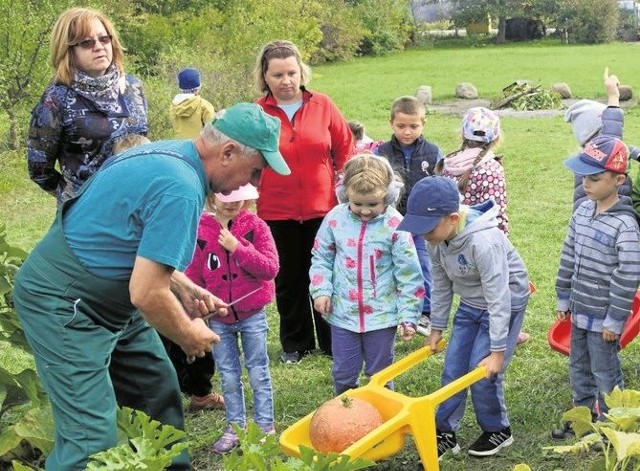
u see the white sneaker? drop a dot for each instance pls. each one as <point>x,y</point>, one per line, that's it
<point>424,326</point>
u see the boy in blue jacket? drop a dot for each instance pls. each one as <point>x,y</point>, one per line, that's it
<point>412,158</point>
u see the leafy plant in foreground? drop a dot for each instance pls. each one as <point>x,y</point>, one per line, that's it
<point>23,402</point>
<point>618,436</point>
<point>260,452</point>
<point>149,444</point>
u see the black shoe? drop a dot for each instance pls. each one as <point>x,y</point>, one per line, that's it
<point>563,433</point>
<point>447,441</point>
<point>290,358</point>
<point>489,443</point>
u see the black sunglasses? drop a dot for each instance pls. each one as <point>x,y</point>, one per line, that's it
<point>90,43</point>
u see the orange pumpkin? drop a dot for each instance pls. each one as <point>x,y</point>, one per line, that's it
<point>340,422</point>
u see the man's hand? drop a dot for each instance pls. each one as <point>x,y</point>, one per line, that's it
<point>197,301</point>
<point>150,291</point>
<point>200,340</point>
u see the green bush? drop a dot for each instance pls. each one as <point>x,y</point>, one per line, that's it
<point>342,32</point>
<point>388,25</point>
<point>590,21</point>
<point>628,27</point>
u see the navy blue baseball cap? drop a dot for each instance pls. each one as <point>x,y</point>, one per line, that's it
<point>431,199</point>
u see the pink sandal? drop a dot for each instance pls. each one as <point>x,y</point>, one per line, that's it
<point>523,337</point>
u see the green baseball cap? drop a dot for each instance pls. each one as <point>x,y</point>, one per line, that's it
<point>248,124</point>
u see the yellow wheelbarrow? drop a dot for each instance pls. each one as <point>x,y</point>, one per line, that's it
<point>402,415</point>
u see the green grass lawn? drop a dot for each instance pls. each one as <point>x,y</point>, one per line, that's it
<point>539,191</point>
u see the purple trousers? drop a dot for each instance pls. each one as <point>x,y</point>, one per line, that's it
<point>351,350</point>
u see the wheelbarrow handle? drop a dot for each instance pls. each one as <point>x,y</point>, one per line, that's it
<point>383,377</point>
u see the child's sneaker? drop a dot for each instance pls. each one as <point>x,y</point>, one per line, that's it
<point>563,433</point>
<point>267,430</point>
<point>213,400</point>
<point>447,441</point>
<point>424,325</point>
<point>489,443</point>
<point>227,442</point>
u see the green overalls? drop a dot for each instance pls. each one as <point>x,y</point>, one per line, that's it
<point>93,350</point>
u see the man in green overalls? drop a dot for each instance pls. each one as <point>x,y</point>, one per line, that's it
<point>109,270</point>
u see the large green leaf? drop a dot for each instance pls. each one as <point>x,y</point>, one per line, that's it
<point>580,418</point>
<point>626,444</point>
<point>622,398</point>
<point>20,467</point>
<point>624,417</point>
<point>136,423</point>
<point>37,427</point>
<point>9,440</point>
<point>142,454</point>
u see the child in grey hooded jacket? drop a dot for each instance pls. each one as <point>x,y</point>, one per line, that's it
<point>472,258</point>
<point>590,119</point>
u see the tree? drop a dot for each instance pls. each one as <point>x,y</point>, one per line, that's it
<point>468,11</point>
<point>25,70</point>
<point>24,35</point>
<point>589,21</point>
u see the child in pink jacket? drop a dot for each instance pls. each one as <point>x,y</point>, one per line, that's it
<point>236,259</point>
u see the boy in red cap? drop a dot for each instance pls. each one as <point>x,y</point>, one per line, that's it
<point>598,275</point>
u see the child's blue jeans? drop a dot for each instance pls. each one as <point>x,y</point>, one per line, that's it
<point>252,332</point>
<point>468,345</point>
<point>594,369</point>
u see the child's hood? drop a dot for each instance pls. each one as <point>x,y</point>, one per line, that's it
<point>184,104</point>
<point>585,117</point>
<point>481,217</point>
<point>623,206</point>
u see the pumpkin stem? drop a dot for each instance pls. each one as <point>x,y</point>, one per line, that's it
<point>346,401</point>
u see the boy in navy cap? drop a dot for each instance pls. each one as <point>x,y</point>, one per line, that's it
<point>472,258</point>
<point>598,275</point>
<point>189,111</point>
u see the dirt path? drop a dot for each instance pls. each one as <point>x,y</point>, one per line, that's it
<point>460,106</point>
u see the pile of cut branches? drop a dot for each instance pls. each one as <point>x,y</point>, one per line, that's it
<point>522,95</point>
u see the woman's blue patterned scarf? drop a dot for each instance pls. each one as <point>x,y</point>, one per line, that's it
<point>103,91</point>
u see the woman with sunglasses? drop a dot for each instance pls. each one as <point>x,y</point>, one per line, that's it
<point>89,104</point>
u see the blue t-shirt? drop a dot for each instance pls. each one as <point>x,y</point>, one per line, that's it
<point>146,203</point>
<point>291,109</point>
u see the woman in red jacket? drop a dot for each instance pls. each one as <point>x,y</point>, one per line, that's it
<point>316,141</point>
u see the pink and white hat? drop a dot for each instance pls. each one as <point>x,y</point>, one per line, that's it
<point>480,124</point>
<point>244,193</point>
